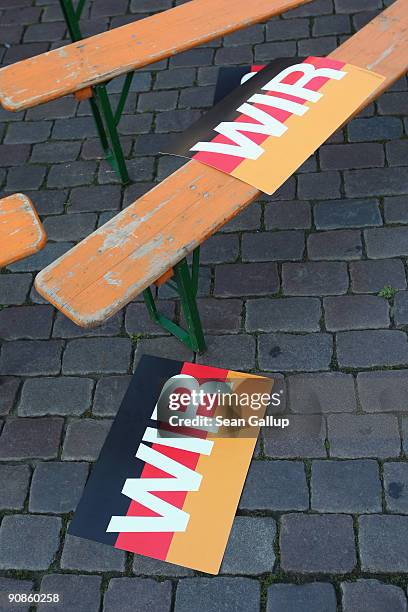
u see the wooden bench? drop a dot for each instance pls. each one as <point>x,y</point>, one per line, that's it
<point>151,238</point>
<point>82,68</point>
<point>21,231</point>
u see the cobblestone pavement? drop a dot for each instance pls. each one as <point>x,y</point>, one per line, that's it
<point>310,283</point>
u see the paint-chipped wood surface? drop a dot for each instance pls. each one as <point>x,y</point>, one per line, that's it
<point>115,263</point>
<point>21,231</point>
<point>99,58</point>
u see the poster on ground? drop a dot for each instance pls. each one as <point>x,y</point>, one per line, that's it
<point>170,474</point>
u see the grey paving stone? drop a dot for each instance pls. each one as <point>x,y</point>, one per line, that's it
<point>157,101</point>
<point>383,391</point>
<point>405,435</point>
<point>375,128</point>
<point>323,392</point>
<point>28,132</point>
<point>250,546</point>
<point>73,129</point>
<point>383,543</point>
<point>248,219</point>
<point>138,321</point>
<point>273,246</point>
<point>346,486</point>
<point>354,6</point>
<point>65,328</point>
<point>79,593</point>
<point>397,152</point>
<point>15,481</point>
<point>317,596</point>
<point>246,279</point>
<point>32,322</point>
<point>305,437</point>
<point>372,596</point>
<point>170,348</point>
<point>178,77</point>
<point>274,49</point>
<point>109,393</point>
<point>43,258</point>
<point>386,242</point>
<point>149,594</point>
<point>321,7</point>
<point>353,156</point>
<point>335,214</point>
<point>11,586</point>
<point>71,174</point>
<point>220,315</point>
<point>56,487</point>
<point>347,312</point>
<point>8,392</point>
<point>52,152</point>
<point>287,215</point>
<point>42,532</point>
<point>372,276</point>
<point>95,198</point>
<point>315,278</point>
<point>401,308</point>
<point>50,201</point>
<point>334,245</point>
<point>331,24</point>
<point>252,34</point>
<point>236,352</point>
<point>276,486</point>
<point>221,248</point>
<point>101,355</point>
<point>70,227</point>
<point>367,349</point>
<point>396,487</point>
<point>283,314</point>
<point>30,439</point>
<point>296,28</point>
<point>31,357</point>
<point>146,566</point>
<point>319,186</point>
<point>223,594</point>
<point>317,46</point>
<point>25,177</point>
<point>14,288</point>
<point>88,556</point>
<point>84,439</point>
<point>376,182</point>
<point>396,210</point>
<point>290,353</point>
<point>371,435</point>
<point>317,543</point>
<point>13,155</point>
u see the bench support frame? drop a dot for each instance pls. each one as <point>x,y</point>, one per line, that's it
<point>185,284</point>
<point>106,119</point>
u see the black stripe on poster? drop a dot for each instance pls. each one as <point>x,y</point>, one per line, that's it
<point>102,497</point>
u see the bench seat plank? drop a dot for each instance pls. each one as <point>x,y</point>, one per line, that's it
<point>99,58</point>
<point>21,231</point>
<point>115,263</point>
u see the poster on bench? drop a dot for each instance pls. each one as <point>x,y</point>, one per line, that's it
<point>170,474</point>
<point>264,130</point>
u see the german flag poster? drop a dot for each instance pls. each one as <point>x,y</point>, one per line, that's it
<point>170,474</point>
<point>268,126</point>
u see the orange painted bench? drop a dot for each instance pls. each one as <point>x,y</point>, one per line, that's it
<point>83,67</point>
<point>155,234</point>
<point>21,231</point>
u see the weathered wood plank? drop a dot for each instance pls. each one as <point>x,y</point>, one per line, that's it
<point>115,263</point>
<point>21,231</point>
<point>99,58</point>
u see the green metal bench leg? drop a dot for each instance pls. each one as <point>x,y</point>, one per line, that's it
<point>106,119</point>
<point>186,286</point>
